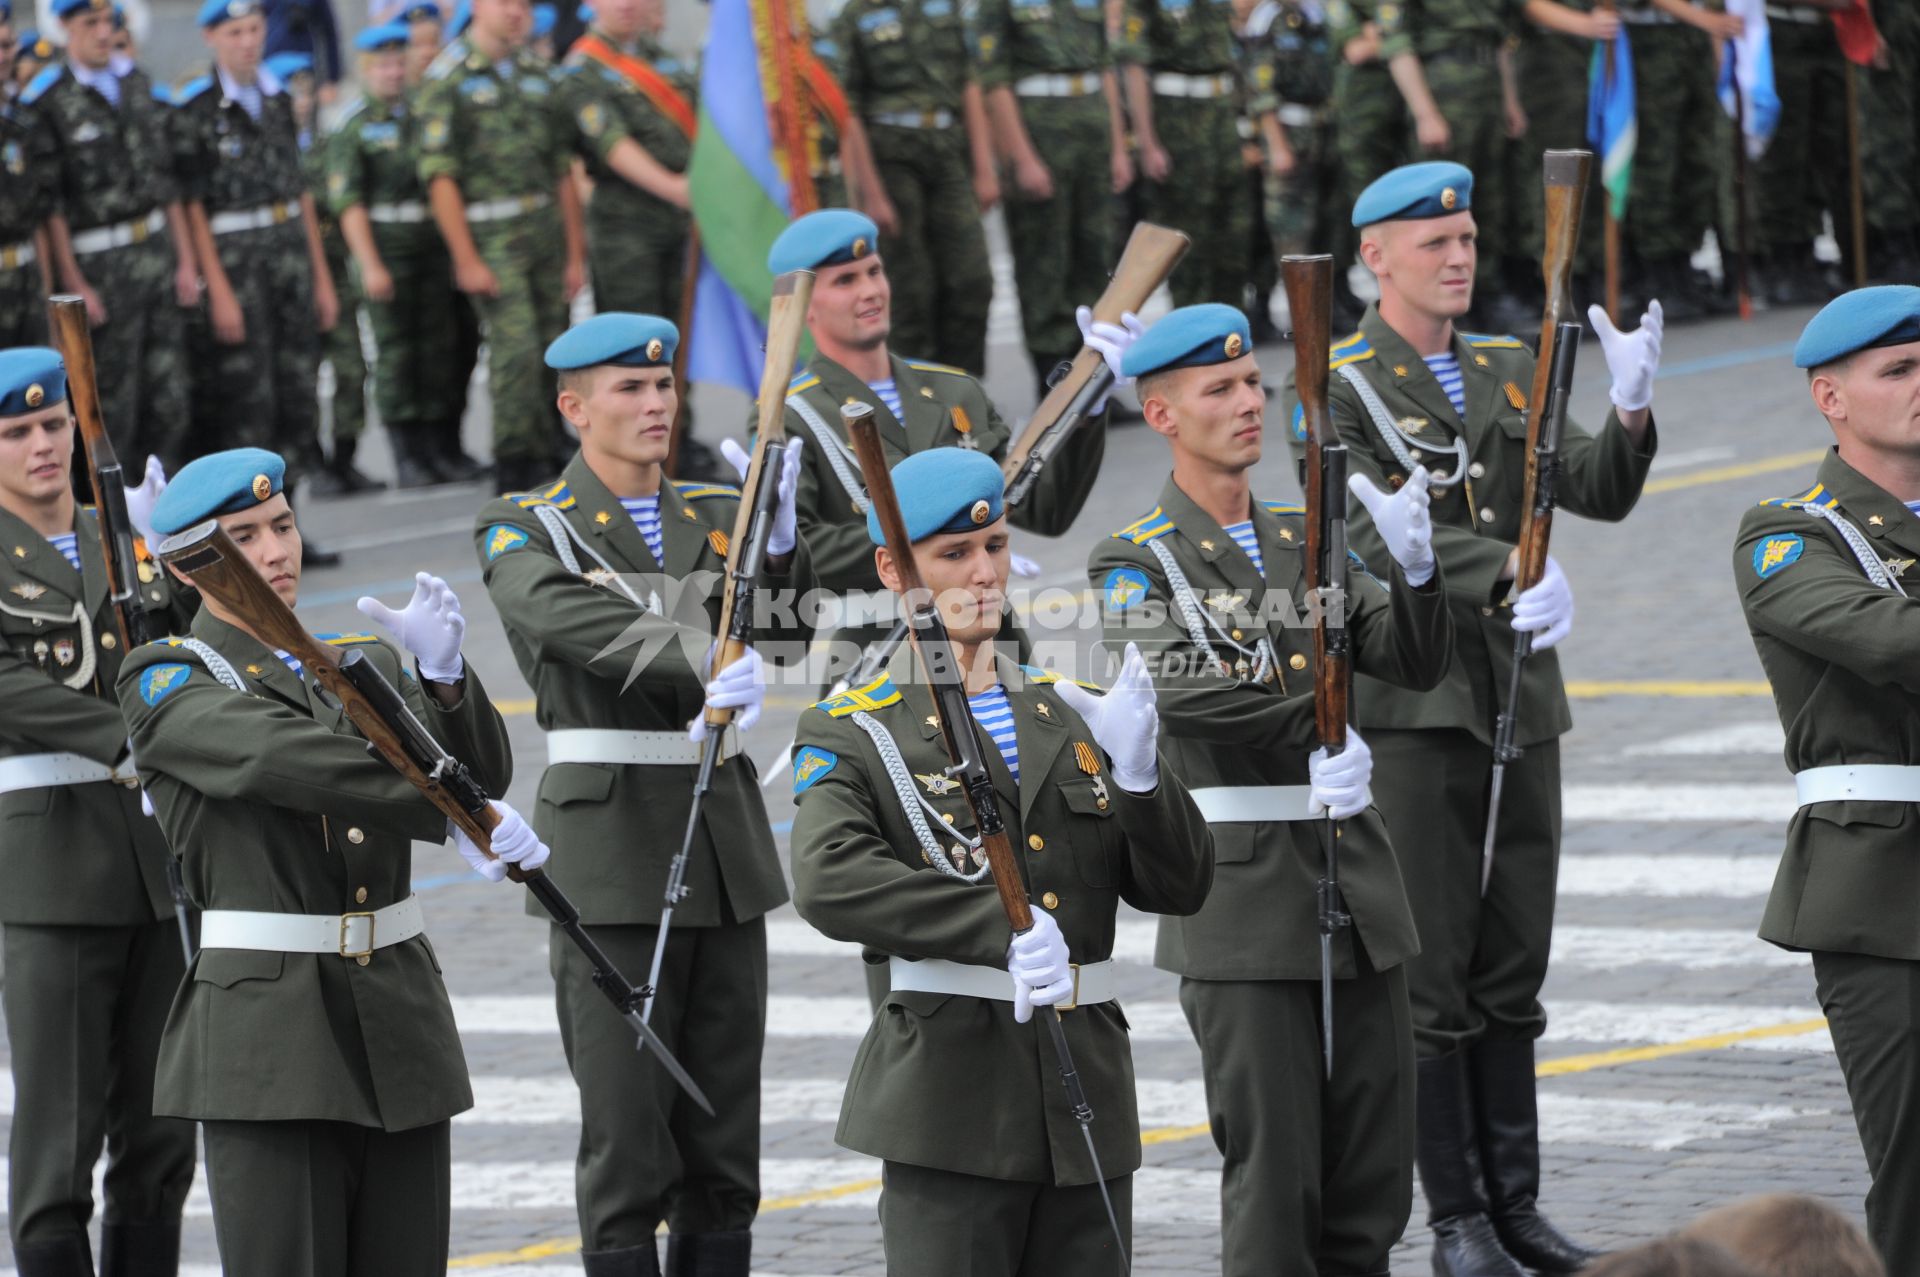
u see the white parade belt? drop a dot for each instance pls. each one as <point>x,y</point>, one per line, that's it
<point>500,210</point>
<point>407,211</point>
<point>1858,783</point>
<point>236,220</point>
<point>118,235</point>
<point>37,771</point>
<point>1092,981</point>
<point>1296,116</point>
<point>1225,803</point>
<point>351,935</point>
<point>1065,84</point>
<point>14,256</point>
<point>637,749</point>
<point>941,119</point>
<point>1175,84</point>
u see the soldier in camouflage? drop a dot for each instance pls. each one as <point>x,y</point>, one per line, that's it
<point>1373,134</point>
<point>909,77</point>
<point>1890,143</point>
<point>494,159</point>
<point>118,236</point>
<point>422,19</point>
<point>1055,105</point>
<point>26,276</point>
<point>1551,66</point>
<point>1802,175</point>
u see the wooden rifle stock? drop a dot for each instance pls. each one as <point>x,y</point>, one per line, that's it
<point>1565,174</point>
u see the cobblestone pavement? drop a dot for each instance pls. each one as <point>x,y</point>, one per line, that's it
<point>1684,1063</point>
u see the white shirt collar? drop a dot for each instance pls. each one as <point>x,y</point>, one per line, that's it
<point>116,69</point>
<point>264,80</point>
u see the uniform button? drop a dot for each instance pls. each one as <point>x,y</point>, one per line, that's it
<point>1414,453</point>
<point>363,959</point>
<point>947,816</point>
<point>1476,471</point>
<point>1101,803</point>
<point>360,896</point>
<point>109,642</point>
<point>1486,611</point>
<point>1237,635</point>
<point>1486,514</point>
<point>1036,842</point>
<point>355,836</point>
<point>1050,900</point>
<point>1297,661</point>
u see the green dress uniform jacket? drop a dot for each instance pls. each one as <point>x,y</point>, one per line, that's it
<point>1224,727</point>
<point>1476,522</point>
<point>59,656</point>
<point>943,407</point>
<point>1084,845</point>
<point>595,660</point>
<point>274,803</point>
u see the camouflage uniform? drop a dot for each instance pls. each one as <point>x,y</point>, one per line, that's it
<point>636,242</point>
<point>372,160</point>
<point>1889,134</point>
<point>24,204</point>
<point>1050,54</point>
<point>1373,132</point>
<point>906,65</point>
<point>1803,172</point>
<point>109,172</point>
<point>1552,70</point>
<point>1674,162</point>
<point>341,345</point>
<point>502,139</point>
<point>1186,49</point>
<point>829,182</point>
<point>1293,77</point>
<point>261,391</point>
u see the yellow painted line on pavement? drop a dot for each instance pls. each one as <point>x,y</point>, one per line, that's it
<point>1740,470</point>
<point>1562,1067</point>
<point>1676,688</point>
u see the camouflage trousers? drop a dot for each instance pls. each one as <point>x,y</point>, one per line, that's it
<point>937,263</point>
<point>1890,122</point>
<point>1466,84</point>
<point>1552,71</point>
<point>636,255</point>
<point>1676,163</point>
<point>415,332</point>
<point>142,353</point>
<point>1303,208</point>
<point>1373,133</point>
<point>23,307</point>
<point>260,392</point>
<point>1063,248</point>
<point>340,347</point>
<point>527,257</point>
<point>1206,195</point>
<point>1805,169</point>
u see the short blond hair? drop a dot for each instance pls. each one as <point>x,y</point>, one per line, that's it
<point>1789,1235</point>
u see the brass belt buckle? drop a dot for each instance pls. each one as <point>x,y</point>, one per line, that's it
<point>139,231</point>
<point>346,920</point>
<point>1075,1000</point>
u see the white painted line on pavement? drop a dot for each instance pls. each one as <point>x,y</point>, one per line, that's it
<point>1719,804</point>
<point>1702,949</point>
<point>1762,736</point>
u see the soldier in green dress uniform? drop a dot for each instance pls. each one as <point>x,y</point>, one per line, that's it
<point>1410,389</point>
<point>1319,1170</point>
<point>884,855</point>
<point>1822,580</point>
<point>578,571</point>
<point>313,1038</point>
<point>93,953</point>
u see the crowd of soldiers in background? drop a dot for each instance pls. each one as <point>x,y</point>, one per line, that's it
<point>1251,125</point>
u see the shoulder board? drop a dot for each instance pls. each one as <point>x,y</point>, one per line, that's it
<point>170,641</point>
<point>1283,507</point>
<point>347,640</point>
<point>874,695</point>
<point>1037,675</point>
<point>161,93</point>
<point>446,60</point>
<point>805,381</point>
<point>919,366</point>
<point>192,89</point>
<point>694,490</point>
<point>558,495</point>
<point>1816,495</point>
<point>39,84</point>
<point>353,112</point>
<point>1350,350</point>
<point>1481,341</point>
<point>1145,529</point>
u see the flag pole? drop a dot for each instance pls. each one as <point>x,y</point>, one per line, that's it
<point>1739,187</point>
<point>1859,194</point>
<point>1606,198</point>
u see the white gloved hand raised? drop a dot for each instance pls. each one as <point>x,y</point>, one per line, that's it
<point>1632,358</point>
<point>784,534</point>
<point>1340,783</point>
<point>513,843</point>
<point>1125,722</point>
<point>1111,340</point>
<point>1546,610</point>
<point>738,688</point>
<point>1023,567</point>
<point>140,499</point>
<point>1040,966</point>
<point>1403,520</point>
<point>430,627</point>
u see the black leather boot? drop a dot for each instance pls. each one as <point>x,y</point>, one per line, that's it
<point>343,468</point>
<point>709,1254</point>
<point>1509,1119</point>
<point>70,1256</point>
<point>1448,1152</point>
<point>140,1250</point>
<point>636,1261</point>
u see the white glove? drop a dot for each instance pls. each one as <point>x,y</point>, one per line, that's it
<point>1403,521</point>
<point>1546,610</point>
<point>430,627</point>
<point>738,688</point>
<point>1340,783</point>
<point>1024,567</point>
<point>1111,340</point>
<point>140,499</point>
<point>513,841</point>
<point>1125,722</point>
<point>784,534</point>
<point>1632,357</point>
<point>1040,966</point>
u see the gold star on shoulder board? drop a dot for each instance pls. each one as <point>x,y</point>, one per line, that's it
<point>1481,360</point>
<point>1286,534</point>
<point>603,518</point>
<point>1876,521</point>
<point>19,551</point>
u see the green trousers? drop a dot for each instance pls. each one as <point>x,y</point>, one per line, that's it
<point>340,346</point>
<point>1804,171</point>
<point>1466,85</point>
<point>1318,1174</point>
<point>637,257</point>
<point>937,1223</point>
<point>1679,155</point>
<point>1873,1009</point>
<point>330,1199</point>
<point>1206,195</point>
<point>23,308</point>
<point>937,262</point>
<point>84,1009</point>
<point>415,331</point>
<point>1482,959</point>
<point>1063,250</point>
<point>260,392</point>
<point>647,1155</point>
<point>525,254</point>
<point>143,354</point>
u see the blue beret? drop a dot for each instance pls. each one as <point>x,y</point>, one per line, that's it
<point>462,18</point>
<point>119,17</point>
<point>584,13</point>
<point>6,11</point>
<point>214,12</point>
<point>218,483</point>
<point>388,35</point>
<point>615,337</point>
<point>828,237</point>
<point>944,490</point>
<point>1433,189</point>
<point>544,16</point>
<point>1888,315</point>
<point>67,8</point>
<point>421,11</point>
<point>287,64</point>
<point>36,46</point>
<point>31,378</point>
<point>1210,333</point>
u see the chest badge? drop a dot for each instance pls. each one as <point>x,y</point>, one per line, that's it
<point>1226,602</point>
<point>937,784</point>
<point>598,576</point>
<point>63,651</point>
<point>1412,425</point>
<point>1898,567</point>
<point>27,589</point>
